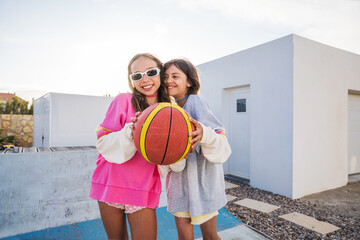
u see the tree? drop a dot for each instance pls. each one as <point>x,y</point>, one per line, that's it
<point>2,108</point>
<point>7,107</point>
<point>31,110</point>
<point>16,106</point>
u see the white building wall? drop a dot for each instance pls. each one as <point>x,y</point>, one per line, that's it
<point>299,111</point>
<point>68,119</point>
<point>351,71</point>
<point>322,76</point>
<point>38,122</point>
<point>268,70</point>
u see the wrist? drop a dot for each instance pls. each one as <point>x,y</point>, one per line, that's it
<point>205,134</point>
<point>128,131</point>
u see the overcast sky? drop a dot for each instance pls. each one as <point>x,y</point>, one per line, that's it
<point>84,46</point>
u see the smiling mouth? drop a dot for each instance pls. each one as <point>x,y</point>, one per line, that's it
<point>171,87</point>
<point>147,87</point>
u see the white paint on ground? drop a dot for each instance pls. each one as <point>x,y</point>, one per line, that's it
<point>229,185</point>
<point>310,223</point>
<point>257,205</point>
<point>230,197</point>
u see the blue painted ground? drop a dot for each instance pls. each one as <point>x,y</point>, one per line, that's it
<point>94,229</point>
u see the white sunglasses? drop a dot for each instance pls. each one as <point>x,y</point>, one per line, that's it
<point>139,75</point>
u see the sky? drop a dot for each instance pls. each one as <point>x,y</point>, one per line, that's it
<point>84,46</point>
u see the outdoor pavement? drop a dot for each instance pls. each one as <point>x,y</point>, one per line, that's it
<point>229,227</point>
<point>240,232</point>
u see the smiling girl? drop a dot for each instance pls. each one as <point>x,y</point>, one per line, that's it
<point>197,193</point>
<point>124,183</point>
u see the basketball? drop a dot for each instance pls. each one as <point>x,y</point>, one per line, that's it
<point>161,133</point>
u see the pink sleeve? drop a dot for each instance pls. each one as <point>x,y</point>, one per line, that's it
<point>117,114</point>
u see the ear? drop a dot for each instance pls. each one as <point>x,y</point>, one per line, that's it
<point>188,84</point>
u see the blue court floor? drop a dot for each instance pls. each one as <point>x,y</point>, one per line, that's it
<point>228,227</point>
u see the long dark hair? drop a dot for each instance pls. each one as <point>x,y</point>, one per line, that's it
<point>139,100</point>
<point>189,70</point>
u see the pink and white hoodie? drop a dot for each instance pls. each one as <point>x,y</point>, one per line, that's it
<point>122,175</point>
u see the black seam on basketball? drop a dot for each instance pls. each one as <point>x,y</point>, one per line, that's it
<point>149,128</point>
<point>167,142</point>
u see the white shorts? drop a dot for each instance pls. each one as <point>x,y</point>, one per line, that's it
<point>128,208</point>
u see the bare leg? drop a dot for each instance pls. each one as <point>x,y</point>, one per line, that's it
<point>208,229</point>
<point>143,224</point>
<point>184,228</point>
<point>114,221</point>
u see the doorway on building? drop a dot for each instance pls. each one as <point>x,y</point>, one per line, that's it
<point>238,131</point>
<point>353,133</point>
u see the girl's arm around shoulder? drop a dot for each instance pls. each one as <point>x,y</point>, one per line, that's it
<point>116,147</point>
<point>213,142</point>
<point>214,145</point>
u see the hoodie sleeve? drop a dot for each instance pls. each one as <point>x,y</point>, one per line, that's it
<point>214,145</point>
<point>116,147</point>
<point>114,135</point>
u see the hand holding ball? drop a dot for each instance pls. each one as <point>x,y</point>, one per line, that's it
<point>162,133</point>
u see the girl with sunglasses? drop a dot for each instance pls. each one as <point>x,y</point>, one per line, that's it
<point>197,193</point>
<point>124,183</point>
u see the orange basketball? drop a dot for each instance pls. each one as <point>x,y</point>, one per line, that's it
<point>161,133</point>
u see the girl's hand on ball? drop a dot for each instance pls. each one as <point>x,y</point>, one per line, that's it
<point>134,120</point>
<point>196,135</point>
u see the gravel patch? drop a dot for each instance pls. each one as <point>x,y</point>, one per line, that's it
<point>271,225</point>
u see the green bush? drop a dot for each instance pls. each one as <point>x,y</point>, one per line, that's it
<point>7,139</point>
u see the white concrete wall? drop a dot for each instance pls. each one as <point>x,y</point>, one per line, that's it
<point>322,77</point>
<point>44,190</point>
<point>72,119</point>
<point>268,70</point>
